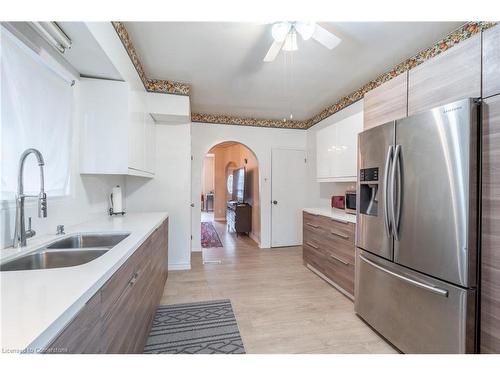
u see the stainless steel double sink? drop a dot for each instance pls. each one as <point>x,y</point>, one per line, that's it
<point>67,252</point>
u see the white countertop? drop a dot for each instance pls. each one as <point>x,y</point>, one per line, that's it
<point>333,213</point>
<point>37,304</point>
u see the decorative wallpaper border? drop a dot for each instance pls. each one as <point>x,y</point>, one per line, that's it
<point>464,32</point>
<point>152,85</point>
<point>248,121</point>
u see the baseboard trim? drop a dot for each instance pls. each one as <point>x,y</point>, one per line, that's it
<point>254,237</point>
<point>179,267</point>
<point>196,249</point>
<point>335,285</point>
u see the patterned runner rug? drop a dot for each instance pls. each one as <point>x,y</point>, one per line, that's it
<point>209,236</point>
<point>195,328</point>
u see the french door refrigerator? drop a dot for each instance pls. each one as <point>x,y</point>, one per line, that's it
<point>417,225</point>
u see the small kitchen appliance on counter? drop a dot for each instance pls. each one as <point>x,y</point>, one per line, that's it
<point>338,201</point>
<point>116,202</point>
<point>350,202</point>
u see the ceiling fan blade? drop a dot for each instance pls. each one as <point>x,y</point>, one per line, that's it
<point>273,51</point>
<point>325,37</point>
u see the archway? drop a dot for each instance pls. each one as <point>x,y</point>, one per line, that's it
<point>235,166</point>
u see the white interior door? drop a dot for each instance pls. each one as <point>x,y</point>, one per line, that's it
<point>287,196</point>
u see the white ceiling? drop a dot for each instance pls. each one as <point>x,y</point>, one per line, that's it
<point>223,63</point>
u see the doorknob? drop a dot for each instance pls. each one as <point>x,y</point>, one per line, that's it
<point>275,202</point>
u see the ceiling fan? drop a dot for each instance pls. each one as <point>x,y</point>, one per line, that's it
<point>285,37</point>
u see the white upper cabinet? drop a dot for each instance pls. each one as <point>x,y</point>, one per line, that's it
<point>117,133</point>
<point>336,147</point>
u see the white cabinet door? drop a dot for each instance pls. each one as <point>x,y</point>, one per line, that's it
<point>115,138</point>
<point>326,140</point>
<point>150,151</point>
<point>347,140</point>
<point>104,123</point>
<point>137,134</point>
<point>336,147</point>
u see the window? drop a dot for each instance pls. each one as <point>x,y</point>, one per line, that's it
<point>36,111</point>
<point>230,183</point>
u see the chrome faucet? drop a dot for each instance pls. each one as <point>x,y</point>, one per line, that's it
<point>20,233</point>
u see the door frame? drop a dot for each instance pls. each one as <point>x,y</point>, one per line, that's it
<point>194,248</point>
<point>271,203</point>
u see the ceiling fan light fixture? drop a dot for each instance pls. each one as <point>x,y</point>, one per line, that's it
<point>305,29</point>
<point>291,42</point>
<point>280,30</point>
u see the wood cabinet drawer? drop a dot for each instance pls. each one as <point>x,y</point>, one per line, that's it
<point>328,246</point>
<point>341,273</point>
<point>83,333</point>
<point>313,256</point>
<point>118,283</point>
<point>120,327</point>
<point>331,248</point>
<point>329,228</point>
<point>128,321</point>
<point>336,268</point>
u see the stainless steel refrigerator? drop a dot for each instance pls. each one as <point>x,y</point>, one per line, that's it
<point>417,225</point>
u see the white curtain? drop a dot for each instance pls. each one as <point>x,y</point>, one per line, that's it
<point>36,112</point>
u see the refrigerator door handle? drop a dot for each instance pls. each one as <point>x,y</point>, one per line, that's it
<point>418,284</point>
<point>387,167</point>
<point>396,191</point>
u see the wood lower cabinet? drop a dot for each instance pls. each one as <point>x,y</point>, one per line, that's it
<point>450,76</point>
<point>491,61</point>
<point>328,246</point>
<point>388,102</point>
<point>117,319</point>
<point>490,237</point>
<point>83,334</point>
<point>239,217</point>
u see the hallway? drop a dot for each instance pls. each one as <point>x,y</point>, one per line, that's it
<point>279,304</point>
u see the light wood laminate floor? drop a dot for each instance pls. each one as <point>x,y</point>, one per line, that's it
<point>280,305</point>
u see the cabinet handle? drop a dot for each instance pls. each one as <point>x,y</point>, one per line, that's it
<point>312,245</point>
<point>341,235</point>
<point>133,279</point>
<point>340,221</point>
<point>312,225</point>
<point>339,260</point>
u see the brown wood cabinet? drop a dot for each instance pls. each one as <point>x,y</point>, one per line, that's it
<point>328,246</point>
<point>83,334</point>
<point>452,75</point>
<point>491,62</point>
<point>388,102</point>
<point>490,237</point>
<point>239,217</point>
<point>117,319</point>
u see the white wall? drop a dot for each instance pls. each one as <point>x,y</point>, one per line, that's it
<point>208,180</point>
<point>88,199</point>
<point>169,190</point>
<point>319,194</point>
<point>261,141</point>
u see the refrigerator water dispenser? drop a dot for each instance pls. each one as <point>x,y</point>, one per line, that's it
<point>368,191</point>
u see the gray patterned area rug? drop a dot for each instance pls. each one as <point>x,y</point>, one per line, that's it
<point>195,328</point>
